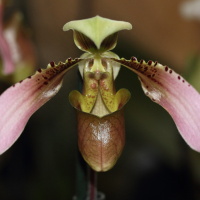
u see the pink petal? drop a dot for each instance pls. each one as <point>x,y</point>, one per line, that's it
<point>21,100</point>
<point>165,87</point>
<point>4,47</point>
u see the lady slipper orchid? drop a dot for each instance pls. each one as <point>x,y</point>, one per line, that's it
<point>16,50</point>
<point>100,109</point>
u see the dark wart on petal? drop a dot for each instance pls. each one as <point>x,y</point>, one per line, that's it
<point>149,63</point>
<point>52,63</point>
<point>39,70</point>
<point>141,62</point>
<point>166,68</point>
<point>133,59</point>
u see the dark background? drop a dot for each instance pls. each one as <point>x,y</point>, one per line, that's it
<point>156,163</point>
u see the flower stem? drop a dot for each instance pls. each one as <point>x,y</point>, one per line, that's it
<point>92,186</point>
<point>85,181</point>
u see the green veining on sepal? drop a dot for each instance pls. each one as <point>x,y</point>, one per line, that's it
<point>97,28</point>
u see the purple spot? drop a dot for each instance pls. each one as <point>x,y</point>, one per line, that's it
<point>155,63</point>
<point>21,81</point>
<point>133,59</point>
<point>147,93</point>
<point>149,63</point>
<point>76,59</point>
<point>14,85</point>
<point>29,77</point>
<point>153,99</point>
<point>39,70</point>
<point>183,81</point>
<point>179,77</point>
<point>170,71</point>
<point>141,62</point>
<point>45,83</point>
<point>52,63</point>
<point>44,77</point>
<point>69,59</point>
<point>147,86</point>
<point>188,85</point>
<point>166,68</point>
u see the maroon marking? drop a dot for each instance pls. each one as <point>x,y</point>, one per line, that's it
<point>188,85</point>
<point>147,86</point>
<point>44,77</point>
<point>76,59</point>
<point>183,81</point>
<point>29,77</point>
<point>69,59</point>
<point>155,63</point>
<point>153,99</point>
<point>147,93</point>
<point>179,77</point>
<point>166,68</point>
<point>141,62</point>
<point>52,64</point>
<point>170,71</point>
<point>21,81</point>
<point>149,63</point>
<point>39,70</point>
<point>133,59</point>
<point>14,85</point>
<point>149,76</point>
<point>153,75</point>
<point>45,83</point>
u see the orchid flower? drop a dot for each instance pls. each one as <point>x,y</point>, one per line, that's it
<point>100,109</point>
<point>16,50</point>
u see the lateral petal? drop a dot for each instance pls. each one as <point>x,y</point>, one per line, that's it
<point>167,88</point>
<point>21,100</point>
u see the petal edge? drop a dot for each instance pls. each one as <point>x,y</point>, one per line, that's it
<point>167,88</point>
